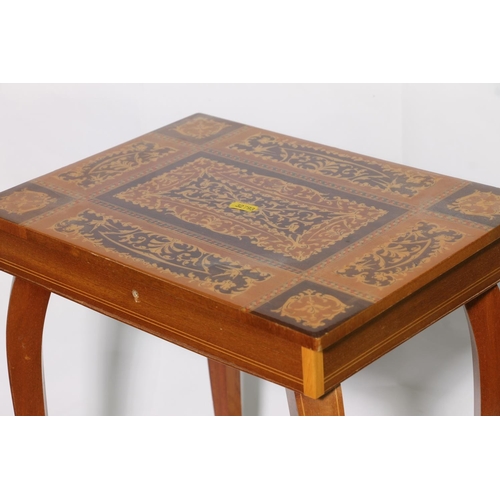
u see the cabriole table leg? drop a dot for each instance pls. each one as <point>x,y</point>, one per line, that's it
<point>484,322</point>
<point>26,315</point>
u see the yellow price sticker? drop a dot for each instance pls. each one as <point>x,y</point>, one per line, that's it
<point>243,206</point>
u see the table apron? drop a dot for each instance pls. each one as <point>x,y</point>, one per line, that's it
<point>411,315</point>
<point>216,330</point>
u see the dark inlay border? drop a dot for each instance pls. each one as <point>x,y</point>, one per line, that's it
<point>116,198</point>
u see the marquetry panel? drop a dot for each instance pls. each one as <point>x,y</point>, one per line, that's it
<point>308,238</point>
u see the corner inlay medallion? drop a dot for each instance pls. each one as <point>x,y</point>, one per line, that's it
<point>25,200</point>
<point>201,128</point>
<point>312,309</point>
<point>479,203</point>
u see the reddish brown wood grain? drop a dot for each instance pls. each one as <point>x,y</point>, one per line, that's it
<point>304,308</point>
<point>411,315</point>
<point>331,404</point>
<point>165,310</point>
<point>26,315</point>
<point>484,321</point>
<point>226,392</point>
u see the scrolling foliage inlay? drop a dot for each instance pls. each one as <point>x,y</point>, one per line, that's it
<point>212,271</point>
<point>292,220</point>
<point>97,171</point>
<point>394,260</point>
<point>361,171</point>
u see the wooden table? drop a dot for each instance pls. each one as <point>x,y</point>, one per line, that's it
<point>293,261</point>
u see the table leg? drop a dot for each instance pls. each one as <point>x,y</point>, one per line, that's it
<point>26,315</point>
<point>226,392</point>
<point>330,404</point>
<point>484,322</point>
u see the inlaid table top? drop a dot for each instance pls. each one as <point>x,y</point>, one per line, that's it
<point>301,242</point>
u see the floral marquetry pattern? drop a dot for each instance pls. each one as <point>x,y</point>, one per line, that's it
<point>25,200</point>
<point>291,220</point>
<point>97,171</point>
<point>360,171</point>
<point>312,309</point>
<point>201,128</point>
<point>212,271</point>
<point>300,241</point>
<point>479,203</point>
<point>408,251</point>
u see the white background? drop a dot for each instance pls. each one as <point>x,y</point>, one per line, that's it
<point>96,366</point>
